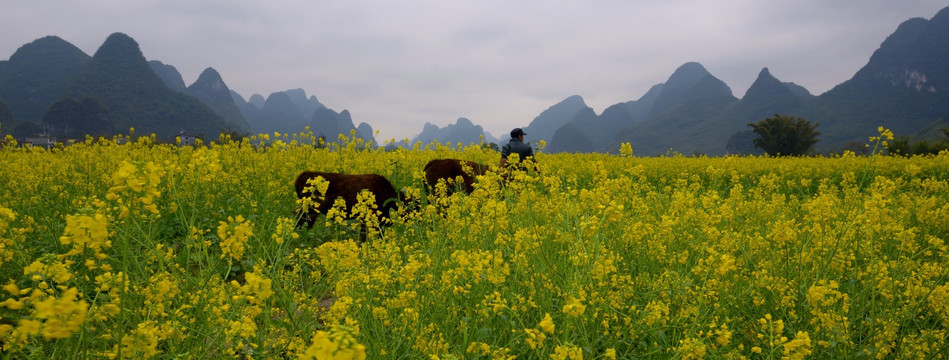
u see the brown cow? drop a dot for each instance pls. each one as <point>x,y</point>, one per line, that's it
<point>449,169</point>
<point>348,187</point>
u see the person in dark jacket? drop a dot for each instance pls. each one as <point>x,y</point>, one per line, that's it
<point>518,146</point>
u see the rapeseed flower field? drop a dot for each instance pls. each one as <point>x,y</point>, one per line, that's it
<point>128,249</point>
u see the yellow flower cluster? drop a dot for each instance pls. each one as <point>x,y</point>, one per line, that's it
<point>257,288</point>
<point>567,352</point>
<point>885,136</point>
<point>135,184</point>
<point>574,307</point>
<point>284,231</point>
<point>829,308</point>
<point>476,266</point>
<point>50,316</point>
<point>315,192</point>
<point>336,344</point>
<point>7,240</point>
<point>582,256</point>
<point>140,343</point>
<point>87,232</point>
<point>626,149</point>
<point>234,234</point>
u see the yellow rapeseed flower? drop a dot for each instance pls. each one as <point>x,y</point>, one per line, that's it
<point>567,352</point>
<point>86,231</point>
<point>799,348</point>
<point>62,316</point>
<point>574,307</point>
<point>234,235</point>
<point>336,344</point>
<point>547,324</point>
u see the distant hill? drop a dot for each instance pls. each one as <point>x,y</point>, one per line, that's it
<point>257,100</point>
<point>37,74</point>
<point>72,118</point>
<point>168,74</point>
<point>666,113</point>
<point>680,82</point>
<point>330,124</point>
<point>570,137</point>
<point>307,105</point>
<point>903,87</point>
<point>291,111</point>
<point>118,88</point>
<point>767,96</point>
<point>213,92</point>
<point>365,132</point>
<point>278,114</point>
<point>248,110</point>
<point>688,122</point>
<point>544,125</point>
<point>210,89</point>
<point>463,131</point>
<point>6,118</point>
<point>120,78</point>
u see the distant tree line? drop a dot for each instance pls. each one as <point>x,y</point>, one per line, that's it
<point>903,146</point>
<point>783,135</point>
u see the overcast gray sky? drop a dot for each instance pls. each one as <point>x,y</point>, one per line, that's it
<point>399,64</point>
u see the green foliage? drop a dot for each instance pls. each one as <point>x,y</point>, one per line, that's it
<point>899,146</point>
<point>925,147</point>
<point>490,146</point>
<point>232,135</point>
<point>785,135</point>
<point>856,147</point>
<point>906,147</point>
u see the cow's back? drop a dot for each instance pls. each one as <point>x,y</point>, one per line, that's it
<point>348,187</point>
<point>450,169</point>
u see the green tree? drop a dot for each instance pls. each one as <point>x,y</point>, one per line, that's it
<point>905,147</point>
<point>899,146</point>
<point>784,135</point>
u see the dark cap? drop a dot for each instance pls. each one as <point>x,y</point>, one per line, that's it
<point>517,132</point>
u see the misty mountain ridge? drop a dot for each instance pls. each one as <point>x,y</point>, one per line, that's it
<point>168,74</point>
<point>212,91</point>
<point>37,74</point>
<point>544,125</point>
<point>904,87</point>
<point>291,111</point>
<point>49,85</point>
<point>463,131</point>
<point>120,78</point>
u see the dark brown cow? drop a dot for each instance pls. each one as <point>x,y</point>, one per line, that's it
<point>348,187</point>
<point>449,169</point>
